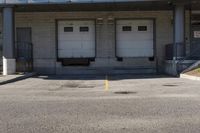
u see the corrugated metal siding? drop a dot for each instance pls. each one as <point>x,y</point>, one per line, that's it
<point>1,58</point>
<point>1,46</point>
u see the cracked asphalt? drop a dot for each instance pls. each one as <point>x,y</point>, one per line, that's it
<point>132,104</point>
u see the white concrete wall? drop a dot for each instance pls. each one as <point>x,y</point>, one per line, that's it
<point>44,37</point>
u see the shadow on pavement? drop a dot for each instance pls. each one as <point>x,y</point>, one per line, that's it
<point>101,77</point>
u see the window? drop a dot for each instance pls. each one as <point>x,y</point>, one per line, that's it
<point>126,28</point>
<point>68,29</point>
<point>84,29</point>
<point>142,28</point>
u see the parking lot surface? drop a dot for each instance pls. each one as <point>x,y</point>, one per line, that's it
<point>100,104</point>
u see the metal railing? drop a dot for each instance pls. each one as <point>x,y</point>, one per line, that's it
<point>180,59</point>
<point>191,56</point>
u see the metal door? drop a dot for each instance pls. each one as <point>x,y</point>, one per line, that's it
<point>76,39</point>
<point>135,38</point>
<point>24,50</point>
<point>195,44</point>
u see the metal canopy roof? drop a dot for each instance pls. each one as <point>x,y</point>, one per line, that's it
<point>47,2</point>
<point>136,6</point>
<point>69,1</point>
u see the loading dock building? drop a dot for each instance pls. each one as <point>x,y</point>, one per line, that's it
<point>99,36</point>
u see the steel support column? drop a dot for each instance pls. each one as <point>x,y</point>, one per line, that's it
<point>9,62</point>
<point>179,31</point>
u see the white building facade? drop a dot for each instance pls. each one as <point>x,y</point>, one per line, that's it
<point>97,36</point>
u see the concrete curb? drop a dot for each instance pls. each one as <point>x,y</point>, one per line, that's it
<point>185,76</point>
<point>15,79</point>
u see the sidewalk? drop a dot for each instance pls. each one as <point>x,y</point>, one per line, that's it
<point>186,76</point>
<point>13,78</point>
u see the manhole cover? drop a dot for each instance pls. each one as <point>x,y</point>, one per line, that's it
<point>125,92</point>
<point>170,85</point>
<point>78,85</point>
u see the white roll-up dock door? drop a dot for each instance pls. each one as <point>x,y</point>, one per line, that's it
<point>76,39</point>
<point>135,38</point>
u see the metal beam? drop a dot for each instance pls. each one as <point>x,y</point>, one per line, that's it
<point>179,31</point>
<point>8,32</point>
<point>9,63</point>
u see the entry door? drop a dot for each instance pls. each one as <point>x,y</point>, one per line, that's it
<point>24,50</point>
<point>195,45</point>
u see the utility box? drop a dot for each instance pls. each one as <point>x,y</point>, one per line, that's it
<point>169,52</point>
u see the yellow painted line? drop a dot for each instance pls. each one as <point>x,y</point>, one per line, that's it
<point>106,84</point>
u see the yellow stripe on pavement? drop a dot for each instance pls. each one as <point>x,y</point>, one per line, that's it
<point>106,84</point>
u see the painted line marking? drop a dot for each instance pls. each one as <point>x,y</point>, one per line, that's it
<point>106,83</point>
